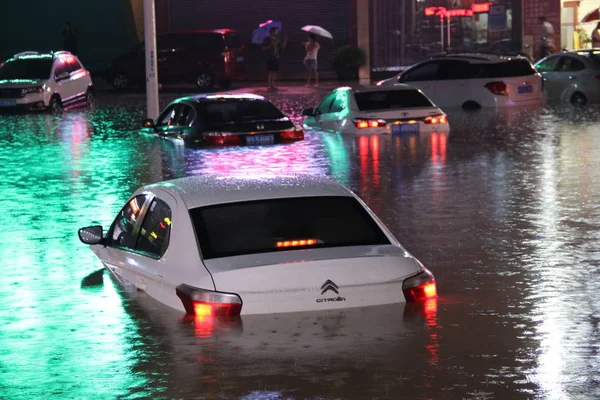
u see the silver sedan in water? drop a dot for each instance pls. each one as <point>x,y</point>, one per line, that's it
<point>572,76</point>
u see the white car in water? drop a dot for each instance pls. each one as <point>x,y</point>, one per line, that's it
<point>377,110</point>
<point>475,80</point>
<point>45,81</point>
<point>219,246</point>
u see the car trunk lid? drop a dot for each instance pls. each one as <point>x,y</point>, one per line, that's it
<point>315,279</point>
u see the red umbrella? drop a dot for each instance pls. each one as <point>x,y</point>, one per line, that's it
<point>592,16</point>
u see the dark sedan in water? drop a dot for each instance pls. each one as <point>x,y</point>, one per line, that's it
<point>224,119</point>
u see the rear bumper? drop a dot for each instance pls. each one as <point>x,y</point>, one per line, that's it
<point>506,101</point>
<point>28,103</point>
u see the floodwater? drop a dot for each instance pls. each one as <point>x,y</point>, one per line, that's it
<point>505,212</point>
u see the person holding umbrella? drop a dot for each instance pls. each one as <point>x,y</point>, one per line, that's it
<point>596,37</point>
<point>310,60</point>
<point>273,46</point>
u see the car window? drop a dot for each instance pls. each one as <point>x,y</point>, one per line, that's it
<point>569,64</point>
<point>61,67</point>
<point>284,224</point>
<point>453,69</point>
<point>504,69</point>
<point>215,112</point>
<point>547,65</point>
<point>186,115</point>
<point>325,106</point>
<point>423,72</point>
<point>169,116</point>
<point>339,101</point>
<point>123,228</point>
<point>33,68</point>
<point>233,41</point>
<point>391,99</point>
<point>156,229</point>
<point>207,41</point>
<point>595,56</point>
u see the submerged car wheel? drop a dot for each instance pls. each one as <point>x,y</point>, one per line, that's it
<point>471,105</point>
<point>578,99</point>
<point>90,100</point>
<point>55,106</point>
<point>120,82</point>
<point>205,81</point>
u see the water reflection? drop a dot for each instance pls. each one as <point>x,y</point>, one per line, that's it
<point>504,211</point>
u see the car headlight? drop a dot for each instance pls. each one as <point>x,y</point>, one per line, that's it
<point>35,89</point>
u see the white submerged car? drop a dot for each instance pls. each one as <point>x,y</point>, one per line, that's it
<point>221,246</point>
<point>377,110</point>
<point>473,81</point>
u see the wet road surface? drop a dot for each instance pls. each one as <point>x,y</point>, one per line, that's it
<point>505,212</point>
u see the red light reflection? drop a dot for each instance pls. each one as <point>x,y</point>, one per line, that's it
<point>431,324</point>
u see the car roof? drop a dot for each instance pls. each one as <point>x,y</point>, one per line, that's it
<point>201,31</point>
<point>373,88</point>
<point>35,54</point>
<point>477,57</point>
<point>207,190</point>
<point>198,98</point>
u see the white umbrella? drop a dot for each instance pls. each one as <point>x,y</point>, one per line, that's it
<point>317,30</point>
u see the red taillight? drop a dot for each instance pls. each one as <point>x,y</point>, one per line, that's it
<point>297,243</point>
<point>221,138</point>
<point>436,119</point>
<point>369,123</point>
<point>420,287</point>
<point>293,134</point>
<point>498,88</point>
<point>201,302</point>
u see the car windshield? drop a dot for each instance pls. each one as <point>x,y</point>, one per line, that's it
<point>31,68</point>
<point>390,99</point>
<point>284,224</point>
<point>233,110</point>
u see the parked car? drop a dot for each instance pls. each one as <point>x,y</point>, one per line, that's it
<point>45,81</point>
<point>224,119</point>
<point>377,110</point>
<point>214,245</point>
<point>572,76</point>
<point>199,57</point>
<point>475,80</point>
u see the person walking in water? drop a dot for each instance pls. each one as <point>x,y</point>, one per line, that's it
<point>546,38</point>
<point>310,60</point>
<point>273,46</point>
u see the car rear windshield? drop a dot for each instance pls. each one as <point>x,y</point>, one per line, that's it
<point>390,99</point>
<point>232,110</point>
<point>233,41</point>
<point>284,224</point>
<point>505,69</point>
<point>38,68</point>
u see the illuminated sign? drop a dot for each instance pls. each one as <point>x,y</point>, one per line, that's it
<point>458,12</point>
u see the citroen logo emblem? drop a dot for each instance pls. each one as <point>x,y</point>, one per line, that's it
<point>329,285</point>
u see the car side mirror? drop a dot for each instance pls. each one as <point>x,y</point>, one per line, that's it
<point>63,76</point>
<point>148,123</point>
<point>309,112</point>
<point>91,235</point>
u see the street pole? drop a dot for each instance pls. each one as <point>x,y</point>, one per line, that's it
<point>151,68</point>
<point>403,31</point>
<point>448,26</point>
<point>442,31</point>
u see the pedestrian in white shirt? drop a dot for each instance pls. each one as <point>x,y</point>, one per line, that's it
<point>310,60</point>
